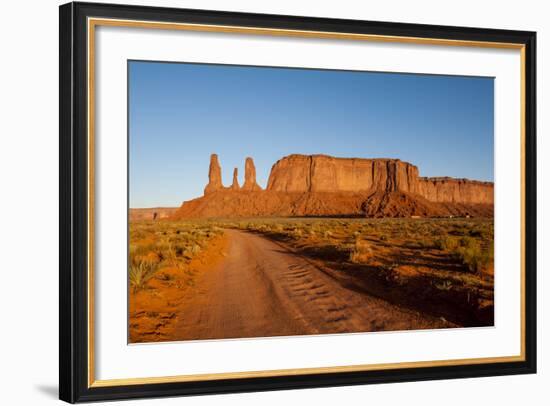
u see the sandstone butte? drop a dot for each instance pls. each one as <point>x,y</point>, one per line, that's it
<point>321,185</point>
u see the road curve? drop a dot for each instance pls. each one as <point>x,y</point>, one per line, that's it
<point>261,289</point>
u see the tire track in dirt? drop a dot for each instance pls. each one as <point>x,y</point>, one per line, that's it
<point>262,289</point>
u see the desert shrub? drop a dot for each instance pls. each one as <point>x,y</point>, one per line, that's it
<point>166,277</point>
<point>446,243</point>
<point>201,234</point>
<point>179,248</point>
<point>297,233</point>
<point>133,251</point>
<point>140,273</point>
<point>424,243</point>
<point>460,229</point>
<point>468,250</point>
<point>171,250</point>
<point>361,252</point>
<point>477,232</point>
<point>473,257</point>
<point>443,285</point>
<point>142,248</point>
<point>468,242</point>
<point>137,234</point>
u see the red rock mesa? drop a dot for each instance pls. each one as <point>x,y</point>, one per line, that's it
<point>155,213</point>
<point>321,185</point>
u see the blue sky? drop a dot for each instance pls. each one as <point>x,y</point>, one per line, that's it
<point>181,113</point>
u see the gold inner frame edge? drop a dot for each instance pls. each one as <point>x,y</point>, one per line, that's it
<point>92,23</point>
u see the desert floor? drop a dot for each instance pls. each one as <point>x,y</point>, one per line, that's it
<point>263,289</point>
<point>214,280</point>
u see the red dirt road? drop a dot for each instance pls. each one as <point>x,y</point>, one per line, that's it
<point>262,289</point>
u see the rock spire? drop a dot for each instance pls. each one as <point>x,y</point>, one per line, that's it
<point>250,176</point>
<point>235,184</point>
<point>214,176</point>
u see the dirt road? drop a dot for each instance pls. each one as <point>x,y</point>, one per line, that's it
<point>262,289</point>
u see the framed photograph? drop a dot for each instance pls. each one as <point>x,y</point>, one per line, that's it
<point>256,202</point>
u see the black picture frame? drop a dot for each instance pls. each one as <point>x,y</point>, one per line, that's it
<point>73,284</point>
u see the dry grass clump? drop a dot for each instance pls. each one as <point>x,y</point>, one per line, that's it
<point>154,246</point>
<point>140,272</point>
<point>446,243</point>
<point>361,252</point>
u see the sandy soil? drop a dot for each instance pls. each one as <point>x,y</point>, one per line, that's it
<point>261,288</point>
<point>153,312</point>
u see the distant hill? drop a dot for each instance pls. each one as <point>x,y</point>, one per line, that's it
<point>155,213</point>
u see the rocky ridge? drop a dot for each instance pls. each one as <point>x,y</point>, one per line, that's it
<point>321,185</point>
